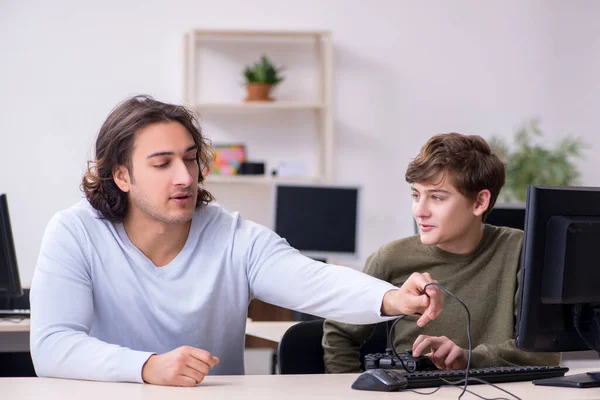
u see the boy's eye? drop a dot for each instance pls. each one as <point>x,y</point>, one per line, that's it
<point>191,159</point>
<point>415,196</point>
<point>436,198</point>
<point>161,165</point>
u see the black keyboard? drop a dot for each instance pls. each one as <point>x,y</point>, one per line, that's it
<point>13,313</point>
<point>391,380</point>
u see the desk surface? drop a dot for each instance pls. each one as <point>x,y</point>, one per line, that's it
<point>270,330</point>
<point>15,325</point>
<point>260,387</point>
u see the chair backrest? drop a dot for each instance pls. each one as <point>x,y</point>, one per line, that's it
<point>16,364</point>
<point>301,352</point>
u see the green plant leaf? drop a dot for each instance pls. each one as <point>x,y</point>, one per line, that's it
<point>530,163</point>
<point>263,71</point>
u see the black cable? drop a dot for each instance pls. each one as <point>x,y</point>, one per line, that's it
<point>487,383</point>
<point>389,338</point>
<point>425,394</point>
<point>455,384</point>
<point>470,351</point>
<point>470,344</point>
<point>391,346</point>
<point>577,308</point>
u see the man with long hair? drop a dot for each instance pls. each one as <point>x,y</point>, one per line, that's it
<point>145,280</point>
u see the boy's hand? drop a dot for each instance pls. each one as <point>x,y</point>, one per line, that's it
<point>445,354</point>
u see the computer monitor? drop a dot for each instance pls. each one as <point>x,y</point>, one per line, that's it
<point>507,214</point>
<point>559,301</point>
<point>10,283</point>
<point>319,220</point>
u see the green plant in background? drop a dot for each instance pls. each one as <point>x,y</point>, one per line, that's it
<point>263,72</point>
<point>529,163</point>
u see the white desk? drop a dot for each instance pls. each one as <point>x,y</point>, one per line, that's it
<point>269,330</point>
<point>260,387</point>
<point>14,326</point>
<point>14,335</point>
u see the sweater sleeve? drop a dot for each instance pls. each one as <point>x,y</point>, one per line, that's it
<point>280,275</point>
<point>342,342</point>
<point>62,312</point>
<point>507,353</point>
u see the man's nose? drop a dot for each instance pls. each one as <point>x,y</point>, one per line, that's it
<point>182,175</point>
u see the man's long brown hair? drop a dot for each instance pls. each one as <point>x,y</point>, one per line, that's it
<point>114,147</point>
<point>466,159</point>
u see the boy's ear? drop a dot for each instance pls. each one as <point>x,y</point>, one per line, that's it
<point>121,177</point>
<point>482,202</point>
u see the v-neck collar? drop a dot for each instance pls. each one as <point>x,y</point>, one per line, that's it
<point>173,264</point>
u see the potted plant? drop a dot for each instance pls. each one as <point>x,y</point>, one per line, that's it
<point>529,163</point>
<point>261,78</point>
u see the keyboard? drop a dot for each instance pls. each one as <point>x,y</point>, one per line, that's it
<point>14,313</point>
<point>395,379</point>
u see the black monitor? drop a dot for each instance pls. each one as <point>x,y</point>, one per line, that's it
<point>10,284</point>
<point>507,214</point>
<point>559,302</point>
<point>320,221</point>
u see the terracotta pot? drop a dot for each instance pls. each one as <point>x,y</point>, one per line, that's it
<point>258,92</point>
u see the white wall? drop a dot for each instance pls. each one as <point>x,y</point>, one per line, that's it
<point>403,71</point>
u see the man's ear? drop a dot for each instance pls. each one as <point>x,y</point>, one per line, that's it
<point>122,178</point>
<point>482,202</point>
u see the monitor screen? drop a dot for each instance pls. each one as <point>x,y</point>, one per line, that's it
<point>510,215</point>
<point>320,221</point>
<point>10,283</point>
<point>559,301</point>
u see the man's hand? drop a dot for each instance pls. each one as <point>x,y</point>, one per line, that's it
<point>445,354</point>
<point>184,366</point>
<point>411,299</point>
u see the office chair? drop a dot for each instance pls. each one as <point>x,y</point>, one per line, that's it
<point>16,364</point>
<point>301,352</point>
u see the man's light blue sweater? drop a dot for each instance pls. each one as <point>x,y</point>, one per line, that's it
<point>100,307</point>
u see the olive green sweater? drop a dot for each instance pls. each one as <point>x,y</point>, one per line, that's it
<point>486,280</point>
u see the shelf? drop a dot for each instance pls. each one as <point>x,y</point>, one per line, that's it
<point>260,105</point>
<point>201,43</point>
<point>272,34</point>
<point>261,179</point>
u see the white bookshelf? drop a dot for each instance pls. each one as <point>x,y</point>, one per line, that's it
<point>266,180</point>
<point>259,105</point>
<point>321,106</point>
<point>270,34</point>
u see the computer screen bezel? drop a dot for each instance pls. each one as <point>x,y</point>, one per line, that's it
<point>324,255</point>
<point>13,288</point>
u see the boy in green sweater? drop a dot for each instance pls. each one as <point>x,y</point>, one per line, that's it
<point>455,181</point>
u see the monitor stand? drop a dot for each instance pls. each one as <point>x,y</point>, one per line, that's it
<point>587,380</point>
